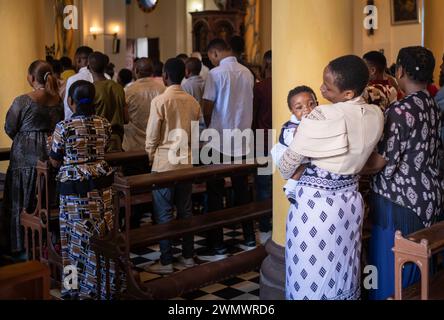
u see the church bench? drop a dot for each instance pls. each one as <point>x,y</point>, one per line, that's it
<point>419,248</point>
<point>37,225</point>
<point>24,281</point>
<point>126,187</point>
<point>117,246</point>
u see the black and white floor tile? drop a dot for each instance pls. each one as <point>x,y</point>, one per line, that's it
<point>243,287</point>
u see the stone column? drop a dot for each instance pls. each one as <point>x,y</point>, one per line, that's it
<point>306,35</point>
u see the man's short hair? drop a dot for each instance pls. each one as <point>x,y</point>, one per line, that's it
<point>125,76</point>
<point>218,44</point>
<point>175,70</point>
<point>194,66</point>
<point>84,51</point>
<point>97,62</point>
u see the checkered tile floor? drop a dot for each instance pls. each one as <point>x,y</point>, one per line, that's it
<point>243,287</point>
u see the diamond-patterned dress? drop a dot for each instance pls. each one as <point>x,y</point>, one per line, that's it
<point>323,245</point>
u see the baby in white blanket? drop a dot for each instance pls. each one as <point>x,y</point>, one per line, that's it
<point>301,101</point>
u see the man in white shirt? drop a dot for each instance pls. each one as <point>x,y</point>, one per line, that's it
<point>227,104</point>
<point>81,64</point>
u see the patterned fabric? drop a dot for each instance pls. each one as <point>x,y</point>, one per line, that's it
<point>80,219</point>
<point>411,145</point>
<point>80,143</point>
<point>323,244</point>
<point>28,125</point>
<point>380,94</point>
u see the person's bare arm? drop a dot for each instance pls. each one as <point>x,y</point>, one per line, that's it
<point>207,107</point>
<point>374,165</point>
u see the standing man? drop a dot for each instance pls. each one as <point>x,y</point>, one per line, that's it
<point>138,99</point>
<point>227,105</point>
<point>109,100</point>
<point>174,110</point>
<point>83,73</point>
<point>81,66</point>
<point>194,84</point>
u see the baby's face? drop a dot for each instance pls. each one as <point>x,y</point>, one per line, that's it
<point>302,104</point>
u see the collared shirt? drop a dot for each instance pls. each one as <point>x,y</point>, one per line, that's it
<point>230,87</point>
<point>84,74</point>
<point>138,98</point>
<point>173,110</point>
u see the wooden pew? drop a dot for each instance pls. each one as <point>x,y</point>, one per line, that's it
<point>419,248</point>
<point>37,225</point>
<point>24,281</point>
<point>116,246</point>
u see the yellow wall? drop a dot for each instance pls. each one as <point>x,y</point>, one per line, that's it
<point>389,37</point>
<point>162,23</point>
<point>265,26</point>
<point>23,36</point>
<point>434,31</point>
<point>306,35</point>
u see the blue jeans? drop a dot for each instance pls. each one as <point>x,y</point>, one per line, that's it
<point>264,191</point>
<point>164,201</point>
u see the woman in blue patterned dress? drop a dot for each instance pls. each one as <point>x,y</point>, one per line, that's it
<point>323,246</point>
<point>85,179</point>
<point>407,191</point>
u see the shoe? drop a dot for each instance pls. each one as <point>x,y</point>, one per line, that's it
<point>248,247</point>
<point>161,269</point>
<point>212,256</point>
<point>186,263</point>
<point>263,237</point>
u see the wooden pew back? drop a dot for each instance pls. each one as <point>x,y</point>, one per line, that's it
<point>418,248</point>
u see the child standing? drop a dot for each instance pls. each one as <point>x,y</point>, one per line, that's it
<point>301,101</point>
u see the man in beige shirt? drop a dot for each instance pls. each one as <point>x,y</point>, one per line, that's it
<point>138,98</point>
<point>169,127</point>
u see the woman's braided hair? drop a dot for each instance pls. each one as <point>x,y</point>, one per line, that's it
<point>418,62</point>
